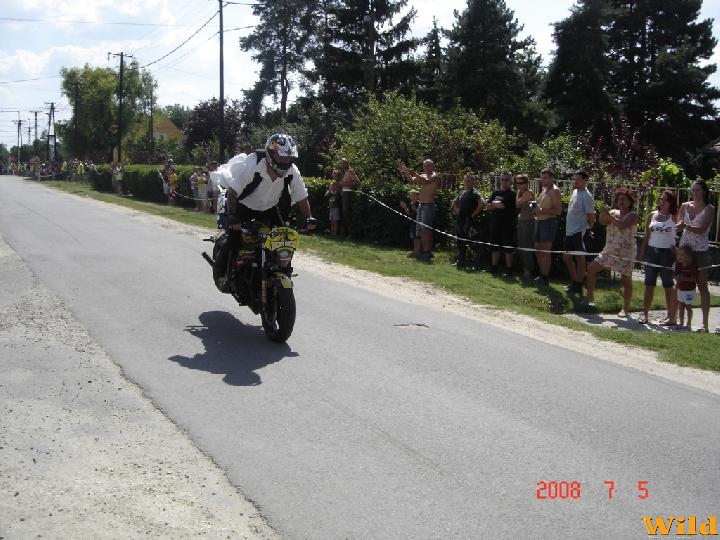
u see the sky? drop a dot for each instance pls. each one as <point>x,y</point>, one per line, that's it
<point>39,37</point>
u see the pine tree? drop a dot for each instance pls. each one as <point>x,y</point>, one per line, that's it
<point>431,68</point>
<point>639,60</point>
<point>484,62</point>
<point>577,82</point>
<point>280,40</point>
<point>360,47</point>
<point>656,48</point>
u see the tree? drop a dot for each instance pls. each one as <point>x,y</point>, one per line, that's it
<point>647,57</point>
<point>279,40</point>
<point>656,48</point>
<point>203,124</point>
<point>178,114</point>
<point>485,63</point>
<point>431,69</point>
<point>577,82</point>
<point>400,128</point>
<point>93,95</point>
<point>90,91</point>
<point>361,47</point>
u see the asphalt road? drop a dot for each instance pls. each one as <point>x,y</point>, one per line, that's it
<point>379,418</point>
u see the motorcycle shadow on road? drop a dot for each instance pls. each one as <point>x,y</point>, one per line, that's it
<point>232,348</point>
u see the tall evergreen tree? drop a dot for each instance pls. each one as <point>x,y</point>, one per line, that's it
<point>360,46</point>
<point>577,82</point>
<point>484,60</point>
<point>431,69</point>
<point>642,60</point>
<point>656,48</point>
<point>280,40</point>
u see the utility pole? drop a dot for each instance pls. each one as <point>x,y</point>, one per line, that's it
<point>221,137</point>
<point>152,138</point>
<point>120,101</point>
<point>19,139</point>
<point>75,112</point>
<point>51,122</point>
<point>36,136</point>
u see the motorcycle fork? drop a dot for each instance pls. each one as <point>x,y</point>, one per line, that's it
<point>263,281</point>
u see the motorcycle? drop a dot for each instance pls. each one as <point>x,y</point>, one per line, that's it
<point>259,274</point>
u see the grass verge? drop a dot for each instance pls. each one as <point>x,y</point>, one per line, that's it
<point>546,304</point>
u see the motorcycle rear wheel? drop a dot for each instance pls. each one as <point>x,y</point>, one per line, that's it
<point>279,319</point>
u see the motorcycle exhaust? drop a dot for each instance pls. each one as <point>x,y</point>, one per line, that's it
<point>209,259</point>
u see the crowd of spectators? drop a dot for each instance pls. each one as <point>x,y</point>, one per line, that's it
<point>517,220</point>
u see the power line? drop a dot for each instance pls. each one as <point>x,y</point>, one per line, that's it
<point>192,18</point>
<point>13,19</point>
<point>28,80</point>
<point>183,43</point>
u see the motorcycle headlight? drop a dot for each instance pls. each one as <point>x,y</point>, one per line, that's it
<point>284,256</point>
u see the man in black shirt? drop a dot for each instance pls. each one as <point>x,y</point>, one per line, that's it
<point>503,217</point>
<point>467,205</point>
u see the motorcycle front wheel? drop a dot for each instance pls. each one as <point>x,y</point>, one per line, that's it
<point>278,319</point>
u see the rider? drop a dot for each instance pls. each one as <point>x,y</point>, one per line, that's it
<point>256,185</point>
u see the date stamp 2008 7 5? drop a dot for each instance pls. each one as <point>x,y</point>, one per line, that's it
<point>573,489</point>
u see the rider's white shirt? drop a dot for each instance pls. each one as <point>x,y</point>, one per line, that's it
<point>240,171</point>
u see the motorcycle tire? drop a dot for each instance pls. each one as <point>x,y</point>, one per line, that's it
<point>279,320</point>
<point>220,268</point>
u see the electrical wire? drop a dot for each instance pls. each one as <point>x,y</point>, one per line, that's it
<point>59,21</point>
<point>183,43</point>
<point>28,80</point>
<point>187,13</point>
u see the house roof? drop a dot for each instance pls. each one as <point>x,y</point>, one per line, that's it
<point>164,128</point>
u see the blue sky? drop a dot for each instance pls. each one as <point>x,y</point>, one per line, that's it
<point>71,33</point>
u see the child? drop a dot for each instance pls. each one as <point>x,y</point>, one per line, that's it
<point>334,200</point>
<point>686,273</point>
<point>411,211</point>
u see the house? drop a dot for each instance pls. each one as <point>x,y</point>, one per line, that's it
<point>163,128</point>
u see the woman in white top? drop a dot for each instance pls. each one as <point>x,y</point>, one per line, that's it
<point>695,219</point>
<point>657,249</point>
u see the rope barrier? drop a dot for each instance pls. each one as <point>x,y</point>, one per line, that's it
<point>557,252</point>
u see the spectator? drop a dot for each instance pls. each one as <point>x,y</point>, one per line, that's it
<point>503,223</point>
<point>468,204</point>
<point>333,196</point>
<point>686,273</point>
<point>202,190</point>
<point>657,249</point>
<point>525,223</point>
<point>695,219</point>
<point>429,182</point>
<point>172,181</point>
<point>349,183</point>
<point>194,187</point>
<point>580,219</point>
<point>549,207</point>
<point>618,255</point>
<point>410,209</point>
<point>116,177</point>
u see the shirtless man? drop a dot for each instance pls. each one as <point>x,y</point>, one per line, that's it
<point>549,207</point>
<point>429,182</point>
<point>348,183</point>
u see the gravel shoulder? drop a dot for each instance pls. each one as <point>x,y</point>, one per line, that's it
<point>83,454</point>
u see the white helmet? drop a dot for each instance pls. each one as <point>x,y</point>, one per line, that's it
<point>281,151</point>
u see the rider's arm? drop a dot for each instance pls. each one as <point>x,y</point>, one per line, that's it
<point>304,207</point>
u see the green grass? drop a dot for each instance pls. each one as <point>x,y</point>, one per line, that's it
<point>547,304</point>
